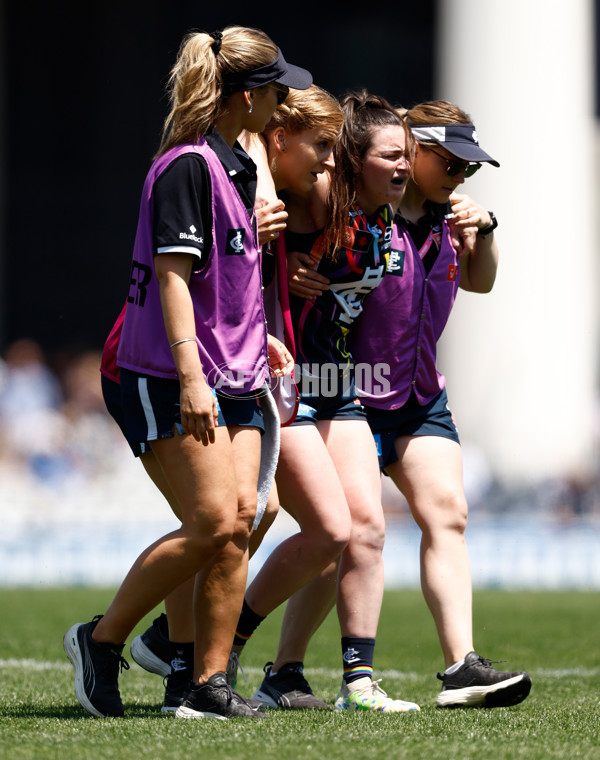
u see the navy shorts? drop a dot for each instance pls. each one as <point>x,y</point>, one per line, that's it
<point>150,408</point>
<point>111,391</point>
<point>335,399</point>
<point>314,409</point>
<point>433,418</point>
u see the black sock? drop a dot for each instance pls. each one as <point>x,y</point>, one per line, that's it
<point>357,656</point>
<point>247,624</point>
<point>181,658</point>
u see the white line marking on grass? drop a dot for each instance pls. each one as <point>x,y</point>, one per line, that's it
<point>564,673</point>
<point>12,662</point>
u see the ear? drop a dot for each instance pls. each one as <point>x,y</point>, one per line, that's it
<point>248,97</point>
<point>279,138</point>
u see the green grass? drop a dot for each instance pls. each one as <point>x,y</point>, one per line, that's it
<point>555,636</point>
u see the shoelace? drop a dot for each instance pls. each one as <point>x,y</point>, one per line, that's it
<point>481,661</point>
<point>121,662</point>
<point>488,663</point>
<point>376,688</point>
<point>234,664</point>
<point>234,696</point>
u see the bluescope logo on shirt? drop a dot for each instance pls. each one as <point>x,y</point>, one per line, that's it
<point>396,262</point>
<point>235,242</point>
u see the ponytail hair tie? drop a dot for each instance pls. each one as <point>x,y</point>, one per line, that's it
<point>216,46</point>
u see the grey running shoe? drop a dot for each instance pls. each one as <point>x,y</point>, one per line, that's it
<point>477,684</point>
<point>96,670</point>
<point>151,649</point>
<point>215,699</point>
<point>288,689</point>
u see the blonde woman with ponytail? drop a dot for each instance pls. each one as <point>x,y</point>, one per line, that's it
<point>192,327</point>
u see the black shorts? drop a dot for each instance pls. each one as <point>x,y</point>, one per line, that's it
<point>150,408</point>
<point>111,391</point>
<point>331,397</point>
<point>313,410</point>
<point>433,418</point>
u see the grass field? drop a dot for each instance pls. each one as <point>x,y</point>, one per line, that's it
<point>555,636</point>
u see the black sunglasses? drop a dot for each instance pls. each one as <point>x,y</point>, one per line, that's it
<point>282,92</point>
<point>456,167</point>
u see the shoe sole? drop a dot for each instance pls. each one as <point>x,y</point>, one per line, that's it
<point>73,652</point>
<point>146,658</point>
<point>414,708</point>
<point>171,710</point>
<point>186,712</point>
<point>502,694</point>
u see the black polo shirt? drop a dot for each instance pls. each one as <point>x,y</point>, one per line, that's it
<point>182,196</point>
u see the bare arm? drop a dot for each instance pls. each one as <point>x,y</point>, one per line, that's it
<point>198,405</point>
<point>271,215</point>
<point>478,253</point>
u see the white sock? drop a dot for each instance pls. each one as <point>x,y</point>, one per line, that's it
<point>454,668</point>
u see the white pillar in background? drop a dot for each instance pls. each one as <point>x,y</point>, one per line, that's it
<point>521,362</point>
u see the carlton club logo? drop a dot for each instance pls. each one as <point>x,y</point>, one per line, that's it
<point>235,242</point>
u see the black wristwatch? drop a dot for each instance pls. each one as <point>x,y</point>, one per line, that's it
<point>491,227</point>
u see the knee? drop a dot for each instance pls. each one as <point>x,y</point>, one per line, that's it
<point>369,534</point>
<point>330,542</point>
<point>245,519</point>
<point>449,515</point>
<point>204,543</point>
<point>455,510</point>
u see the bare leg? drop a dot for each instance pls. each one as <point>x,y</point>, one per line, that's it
<point>202,480</point>
<point>178,604</point>
<point>219,591</point>
<point>360,582</point>
<point>304,613</point>
<point>429,474</point>
<point>319,505</point>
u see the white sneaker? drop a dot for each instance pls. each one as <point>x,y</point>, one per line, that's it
<point>365,694</point>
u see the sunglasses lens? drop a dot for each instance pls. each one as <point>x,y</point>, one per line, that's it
<point>282,93</point>
<point>456,167</point>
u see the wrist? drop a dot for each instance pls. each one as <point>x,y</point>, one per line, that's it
<point>483,231</point>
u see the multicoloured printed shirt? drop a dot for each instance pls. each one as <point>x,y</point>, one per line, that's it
<point>322,325</point>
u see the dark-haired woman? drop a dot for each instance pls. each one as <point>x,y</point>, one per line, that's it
<point>327,473</point>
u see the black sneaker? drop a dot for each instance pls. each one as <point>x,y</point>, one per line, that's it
<point>477,684</point>
<point>215,699</point>
<point>151,649</point>
<point>288,689</point>
<point>96,670</point>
